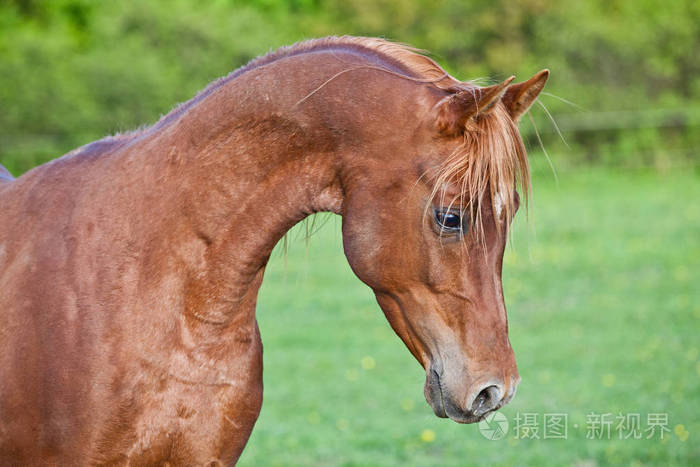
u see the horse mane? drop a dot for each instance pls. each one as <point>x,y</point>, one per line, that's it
<point>394,57</point>
<point>491,158</point>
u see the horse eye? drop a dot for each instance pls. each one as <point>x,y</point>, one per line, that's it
<point>450,221</point>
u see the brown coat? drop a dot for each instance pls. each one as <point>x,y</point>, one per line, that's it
<point>129,268</point>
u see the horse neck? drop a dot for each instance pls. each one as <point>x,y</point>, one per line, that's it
<point>230,177</point>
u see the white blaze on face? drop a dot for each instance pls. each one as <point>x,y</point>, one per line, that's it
<point>499,202</point>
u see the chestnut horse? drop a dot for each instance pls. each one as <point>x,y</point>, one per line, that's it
<point>130,267</point>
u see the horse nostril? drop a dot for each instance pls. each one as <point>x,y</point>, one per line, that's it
<point>486,400</point>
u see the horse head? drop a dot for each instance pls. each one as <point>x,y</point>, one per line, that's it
<point>429,236</point>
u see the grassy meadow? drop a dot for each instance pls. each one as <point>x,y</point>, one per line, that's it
<point>601,286</point>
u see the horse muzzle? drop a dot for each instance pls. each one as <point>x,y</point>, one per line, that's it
<point>481,398</point>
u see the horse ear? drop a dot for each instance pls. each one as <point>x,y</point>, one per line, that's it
<point>455,110</point>
<point>520,96</point>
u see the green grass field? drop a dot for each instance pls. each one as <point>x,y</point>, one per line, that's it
<point>603,299</point>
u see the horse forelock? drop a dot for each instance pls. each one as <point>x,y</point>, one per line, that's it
<point>491,159</point>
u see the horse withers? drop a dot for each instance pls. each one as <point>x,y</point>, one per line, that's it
<point>130,267</point>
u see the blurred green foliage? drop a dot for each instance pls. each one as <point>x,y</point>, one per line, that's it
<point>72,71</point>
